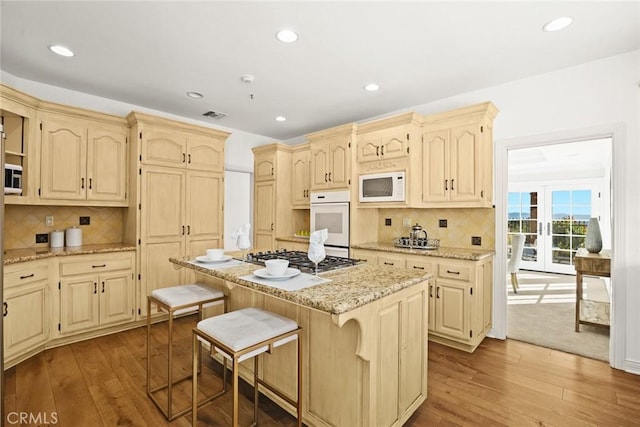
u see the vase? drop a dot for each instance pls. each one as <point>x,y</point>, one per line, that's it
<point>593,240</point>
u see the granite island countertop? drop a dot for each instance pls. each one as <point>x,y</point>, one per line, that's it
<point>442,252</point>
<point>15,256</point>
<point>349,287</point>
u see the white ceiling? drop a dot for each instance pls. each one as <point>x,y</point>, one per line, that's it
<point>150,53</point>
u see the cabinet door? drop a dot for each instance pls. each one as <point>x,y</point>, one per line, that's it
<point>164,148</point>
<point>63,166</point>
<point>264,216</point>
<point>116,297</point>
<point>205,154</point>
<point>106,163</point>
<point>368,148</point>
<point>394,143</point>
<point>163,205</point>
<point>204,198</point>
<point>369,256</point>
<point>300,185</point>
<point>26,318</point>
<point>435,161</point>
<point>464,163</point>
<point>79,303</point>
<point>320,168</point>
<point>265,167</point>
<point>452,309</point>
<point>339,160</point>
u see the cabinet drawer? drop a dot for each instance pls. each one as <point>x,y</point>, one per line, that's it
<point>391,261</point>
<point>421,265</point>
<point>26,275</point>
<point>454,271</point>
<point>95,265</point>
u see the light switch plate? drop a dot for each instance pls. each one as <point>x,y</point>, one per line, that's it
<point>406,222</point>
<point>48,221</point>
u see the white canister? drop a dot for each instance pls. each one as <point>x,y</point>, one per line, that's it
<point>57,239</point>
<point>74,236</point>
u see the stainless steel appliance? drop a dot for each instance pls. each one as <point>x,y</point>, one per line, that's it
<point>330,210</point>
<point>382,187</point>
<point>299,260</point>
<point>12,179</point>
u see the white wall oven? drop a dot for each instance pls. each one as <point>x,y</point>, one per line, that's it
<point>330,210</point>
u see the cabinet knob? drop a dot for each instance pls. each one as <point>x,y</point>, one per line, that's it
<point>188,230</point>
<point>382,150</point>
<point>184,158</point>
<point>189,158</point>
<point>325,177</point>
<point>95,287</point>
<point>329,176</point>
<point>430,291</point>
<point>6,309</point>
<point>26,277</point>
<point>103,287</point>
<point>82,183</point>
<point>452,184</point>
<point>377,150</point>
<point>446,186</point>
<point>183,230</point>
<point>90,182</point>
<point>437,291</point>
<point>99,266</point>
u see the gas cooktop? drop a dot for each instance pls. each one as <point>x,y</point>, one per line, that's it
<point>299,260</point>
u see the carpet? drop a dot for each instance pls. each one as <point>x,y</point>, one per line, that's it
<point>543,313</point>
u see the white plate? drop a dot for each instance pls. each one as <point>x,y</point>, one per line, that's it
<point>204,258</point>
<point>288,274</point>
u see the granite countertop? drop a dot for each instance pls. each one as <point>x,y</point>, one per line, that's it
<point>442,252</point>
<point>349,288</point>
<point>294,239</point>
<point>14,256</point>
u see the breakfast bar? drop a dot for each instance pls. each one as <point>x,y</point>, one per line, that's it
<point>364,346</point>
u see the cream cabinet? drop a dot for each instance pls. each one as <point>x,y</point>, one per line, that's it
<point>330,167</point>
<point>460,294</point>
<point>19,118</point>
<point>457,158</point>
<point>26,309</point>
<point>83,160</point>
<point>383,144</point>
<point>96,291</point>
<point>272,214</point>
<point>301,180</point>
<point>177,202</point>
<point>292,246</point>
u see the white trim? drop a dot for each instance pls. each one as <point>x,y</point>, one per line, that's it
<point>617,342</point>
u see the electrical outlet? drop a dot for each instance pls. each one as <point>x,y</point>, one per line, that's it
<point>85,220</point>
<point>42,238</point>
<point>442,223</point>
<point>48,221</point>
<point>406,222</point>
<point>476,241</point>
<point>387,221</point>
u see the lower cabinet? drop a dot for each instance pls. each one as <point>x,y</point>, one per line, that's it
<point>26,309</point>
<point>96,291</point>
<point>292,246</point>
<point>460,295</point>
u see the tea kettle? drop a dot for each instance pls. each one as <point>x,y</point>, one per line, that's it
<point>417,232</point>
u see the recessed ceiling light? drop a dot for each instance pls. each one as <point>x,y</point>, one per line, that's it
<point>61,50</point>
<point>196,95</point>
<point>286,36</point>
<point>558,23</point>
<point>281,119</point>
<point>371,87</point>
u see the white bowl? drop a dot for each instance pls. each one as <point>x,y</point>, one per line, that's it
<point>215,254</point>
<point>276,267</point>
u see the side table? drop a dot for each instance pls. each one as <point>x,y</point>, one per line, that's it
<point>590,264</point>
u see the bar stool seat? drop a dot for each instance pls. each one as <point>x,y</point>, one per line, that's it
<point>240,335</point>
<point>177,300</point>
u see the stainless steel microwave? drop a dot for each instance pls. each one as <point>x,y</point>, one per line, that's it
<point>382,187</point>
<point>12,179</point>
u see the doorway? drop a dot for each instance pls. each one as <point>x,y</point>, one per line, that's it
<point>553,190</point>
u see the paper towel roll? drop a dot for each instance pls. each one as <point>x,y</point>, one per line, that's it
<point>74,236</point>
<point>57,239</point>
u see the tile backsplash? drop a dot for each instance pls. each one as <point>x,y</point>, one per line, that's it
<point>462,225</point>
<point>22,223</point>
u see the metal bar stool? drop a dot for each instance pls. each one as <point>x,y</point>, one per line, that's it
<point>177,300</point>
<point>240,335</point>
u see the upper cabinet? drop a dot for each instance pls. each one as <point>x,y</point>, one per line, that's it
<point>174,144</point>
<point>387,139</point>
<point>18,117</point>
<point>330,166</point>
<point>457,157</point>
<point>264,165</point>
<point>83,159</point>
<point>301,179</point>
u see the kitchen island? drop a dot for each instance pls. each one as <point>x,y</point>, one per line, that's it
<point>364,340</point>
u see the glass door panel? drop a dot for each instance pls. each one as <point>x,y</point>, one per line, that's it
<point>523,218</point>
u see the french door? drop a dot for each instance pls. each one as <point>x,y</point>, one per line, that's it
<point>554,220</point>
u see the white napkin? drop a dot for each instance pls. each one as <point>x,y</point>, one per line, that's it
<point>241,236</point>
<point>316,245</point>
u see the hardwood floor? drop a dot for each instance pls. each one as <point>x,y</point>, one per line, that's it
<point>102,382</point>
